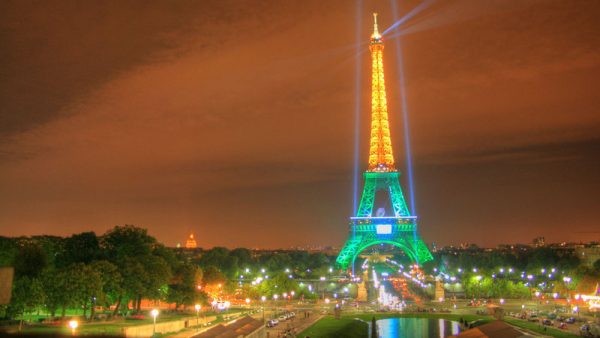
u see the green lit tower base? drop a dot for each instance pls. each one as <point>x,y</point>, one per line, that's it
<point>365,229</point>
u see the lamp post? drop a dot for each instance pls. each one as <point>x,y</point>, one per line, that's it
<point>73,325</point>
<point>197,307</point>
<point>154,314</point>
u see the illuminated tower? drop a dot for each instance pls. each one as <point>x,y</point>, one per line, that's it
<point>366,229</point>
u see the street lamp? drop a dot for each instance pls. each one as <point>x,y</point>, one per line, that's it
<point>197,307</point>
<point>73,325</point>
<point>154,314</point>
<point>263,299</point>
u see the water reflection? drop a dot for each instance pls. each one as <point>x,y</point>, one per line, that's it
<point>416,327</point>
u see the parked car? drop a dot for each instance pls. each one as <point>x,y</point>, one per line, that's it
<point>547,321</point>
<point>570,320</point>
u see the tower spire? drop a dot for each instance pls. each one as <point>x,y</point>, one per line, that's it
<point>375,29</point>
<point>381,157</point>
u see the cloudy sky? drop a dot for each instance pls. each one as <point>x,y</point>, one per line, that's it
<point>235,119</point>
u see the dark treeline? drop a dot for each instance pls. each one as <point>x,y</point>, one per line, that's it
<point>125,265</point>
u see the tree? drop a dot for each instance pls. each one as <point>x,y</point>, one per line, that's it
<point>27,295</point>
<point>126,241</point>
<point>85,285</point>
<point>80,248</point>
<point>212,275</point>
<point>111,284</point>
<point>30,260</point>
<point>183,287</point>
<point>277,284</point>
<point>141,261</point>
<point>244,257</point>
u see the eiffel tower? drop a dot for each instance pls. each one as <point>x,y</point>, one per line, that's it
<point>366,229</point>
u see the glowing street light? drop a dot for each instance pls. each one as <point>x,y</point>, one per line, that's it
<point>327,300</point>
<point>197,307</point>
<point>154,314</point>
<point>73,324</point>
<point>501,300</point>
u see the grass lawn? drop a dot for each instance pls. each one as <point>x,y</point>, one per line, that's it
<point>331,327</point>
<point>535,327</point>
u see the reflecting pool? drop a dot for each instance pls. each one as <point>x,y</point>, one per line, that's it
<point>416,327</point>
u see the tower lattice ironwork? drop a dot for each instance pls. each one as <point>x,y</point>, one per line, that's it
<point>367,229</point>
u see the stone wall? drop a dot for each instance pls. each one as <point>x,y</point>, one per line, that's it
<point>164,327</point>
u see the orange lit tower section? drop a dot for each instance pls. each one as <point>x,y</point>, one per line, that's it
<point>400,228</point>
<point>381,157</point>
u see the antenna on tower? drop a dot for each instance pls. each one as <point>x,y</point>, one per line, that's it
<point>376,34</point>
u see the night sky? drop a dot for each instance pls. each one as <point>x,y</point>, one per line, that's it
<point>235,119</point>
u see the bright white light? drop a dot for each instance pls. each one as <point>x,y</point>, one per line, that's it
<point>73,324</point>
<point>154,313</point>
<point>383,229</point>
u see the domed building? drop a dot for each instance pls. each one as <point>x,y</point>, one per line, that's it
<point>190,243</point>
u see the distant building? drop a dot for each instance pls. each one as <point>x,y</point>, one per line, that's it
<point>191,242</point>
<point>539,242</point>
